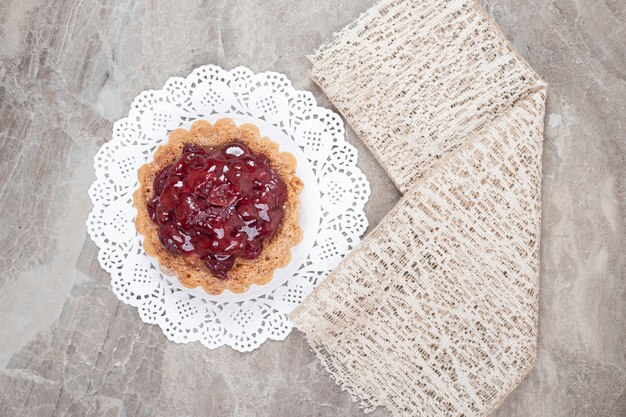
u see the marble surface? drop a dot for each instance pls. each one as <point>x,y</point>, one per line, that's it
<point>69,69</point>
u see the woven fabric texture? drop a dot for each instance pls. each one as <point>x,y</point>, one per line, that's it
<point>435,312</point>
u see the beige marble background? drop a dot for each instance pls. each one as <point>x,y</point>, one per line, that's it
<point>69,69</point>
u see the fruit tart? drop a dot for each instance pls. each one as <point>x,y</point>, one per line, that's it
<point>218,206</point>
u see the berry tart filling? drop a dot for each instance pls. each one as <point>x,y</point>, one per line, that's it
<point>218,204</point>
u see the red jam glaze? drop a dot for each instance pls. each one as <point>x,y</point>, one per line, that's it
<point>217,204</point>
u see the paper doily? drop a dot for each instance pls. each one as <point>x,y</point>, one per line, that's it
<point>332,214</point>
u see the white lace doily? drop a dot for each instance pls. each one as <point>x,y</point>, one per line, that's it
<point>331,216</point>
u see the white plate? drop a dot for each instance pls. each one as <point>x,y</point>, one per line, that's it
<point>331,214</point>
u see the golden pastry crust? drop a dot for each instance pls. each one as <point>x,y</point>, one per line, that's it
<point>276,251</point>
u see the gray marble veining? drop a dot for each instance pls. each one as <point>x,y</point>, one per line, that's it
<point>69,69</point>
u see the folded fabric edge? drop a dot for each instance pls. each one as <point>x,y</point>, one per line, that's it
<point>540,90</point>
<point>537,84</point>
<point>340,372</point>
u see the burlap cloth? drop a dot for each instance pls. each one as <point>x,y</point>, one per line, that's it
<point>435,313</point>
